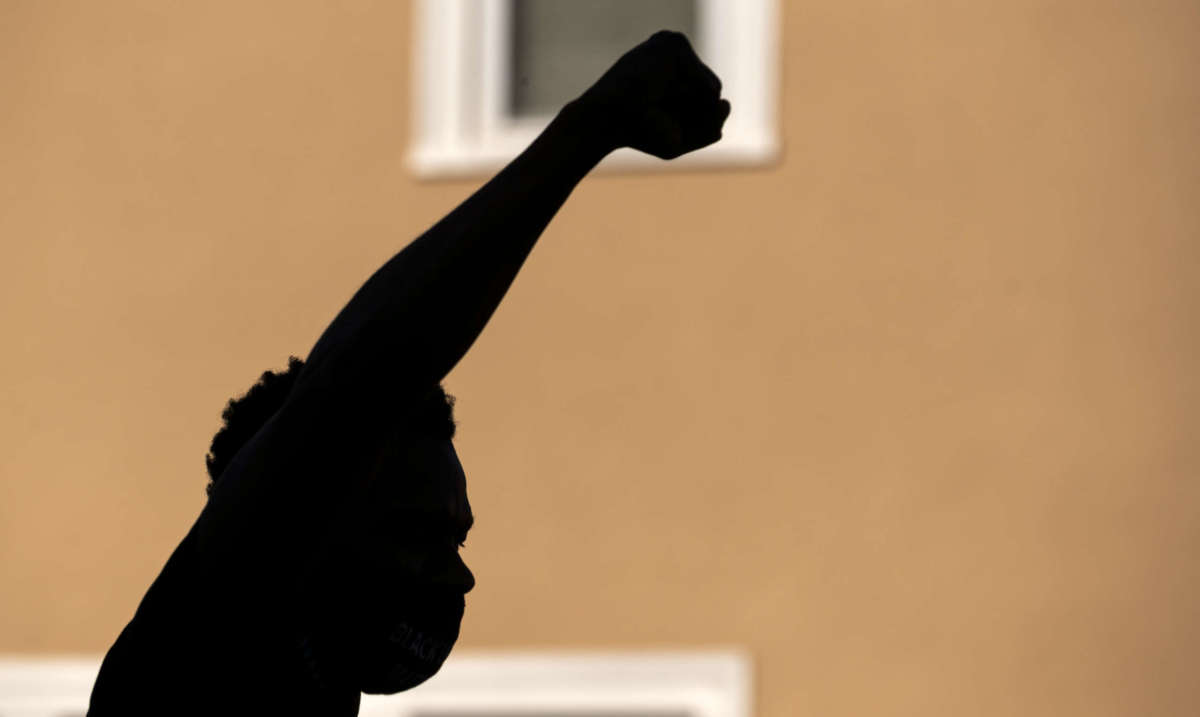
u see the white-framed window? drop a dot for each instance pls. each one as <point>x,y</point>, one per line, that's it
<point>584,684</point>
<point>471,684</point>
<point>489,74</point>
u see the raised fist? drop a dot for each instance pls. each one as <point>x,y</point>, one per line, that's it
<point>659,98</point>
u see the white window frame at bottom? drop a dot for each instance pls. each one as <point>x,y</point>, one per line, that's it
<point>460,89</point>
<point>695,683</point>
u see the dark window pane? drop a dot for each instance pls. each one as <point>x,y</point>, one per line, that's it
<point>559,47</point>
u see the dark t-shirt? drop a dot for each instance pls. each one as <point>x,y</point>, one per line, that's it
<point>188,651</point>
<point>220,629</point>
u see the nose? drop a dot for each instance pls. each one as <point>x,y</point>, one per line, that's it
<point>457,576</point>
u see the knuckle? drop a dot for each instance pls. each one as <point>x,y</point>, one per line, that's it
<point>670,36</point>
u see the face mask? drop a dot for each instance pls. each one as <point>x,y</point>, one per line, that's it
<point>406,658</point>
<point>382,634</point>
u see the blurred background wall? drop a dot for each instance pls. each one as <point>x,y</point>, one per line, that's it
<point>910,415</point>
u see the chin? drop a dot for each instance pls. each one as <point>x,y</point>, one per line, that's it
<point>397,679</point>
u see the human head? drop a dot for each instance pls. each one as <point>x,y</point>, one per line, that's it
<point>243,416</point>
<point>391,594</point>
<point>387,591</point>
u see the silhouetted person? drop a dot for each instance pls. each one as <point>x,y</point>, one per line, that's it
<point>325,562</point>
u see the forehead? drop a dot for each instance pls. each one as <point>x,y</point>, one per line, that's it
<point>424,475</point>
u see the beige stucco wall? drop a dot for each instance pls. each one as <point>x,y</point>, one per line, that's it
<point>910,416</point>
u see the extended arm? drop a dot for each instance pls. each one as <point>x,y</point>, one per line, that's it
<point>417,316</point>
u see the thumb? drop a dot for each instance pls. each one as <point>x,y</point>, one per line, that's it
<point>664,137</point>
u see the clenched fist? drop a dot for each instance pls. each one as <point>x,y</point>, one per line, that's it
<point>658,98</point>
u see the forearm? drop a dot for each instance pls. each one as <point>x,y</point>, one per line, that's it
<point>415,318</point>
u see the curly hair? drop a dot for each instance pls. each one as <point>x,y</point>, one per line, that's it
<point>245,415</point>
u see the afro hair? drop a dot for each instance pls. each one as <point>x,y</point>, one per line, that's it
<point>244,416</point>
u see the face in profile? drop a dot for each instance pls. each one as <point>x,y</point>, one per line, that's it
<point>397,601</point>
